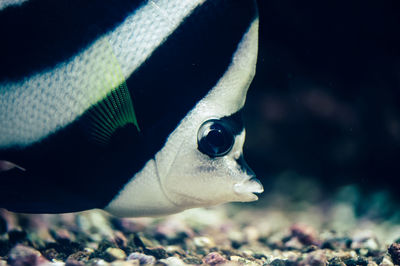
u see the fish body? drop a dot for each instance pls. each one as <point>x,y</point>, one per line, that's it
<point>133,107</point>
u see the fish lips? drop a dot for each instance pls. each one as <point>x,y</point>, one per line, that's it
<point>246,189</point>
<point>250,185</point>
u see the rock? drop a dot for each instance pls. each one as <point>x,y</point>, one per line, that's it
<point>214,258</point>
<point>306,234</point>
<point>251,234</point>
<point>143,259</point>
<point>157,252</point>
<point>115,254</point>
<point>120,240</point>
<point>80,256</point>
<point>192,260</point>
<point>125,263</point>
<point>386,262</point>
<point>315,258</point>
<point>3,225</point>
<point>16,236</point>
<point>73,262</point>
<point>173,231</point>
<point>293,243</point>
<point>203,242</point>
<point>173,261</point>
<point>394,251</point>
<point>97,262</point>
<point>278,262</point>
<point>22,255</point>
<point>336,262</point>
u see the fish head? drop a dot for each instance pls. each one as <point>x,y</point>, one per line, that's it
<point>202,161</point>
<point>212,171</point>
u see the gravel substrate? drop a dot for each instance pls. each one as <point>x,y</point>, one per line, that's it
<point>266,233</point>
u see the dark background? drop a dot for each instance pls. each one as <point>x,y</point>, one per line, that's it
<point>325,102</point>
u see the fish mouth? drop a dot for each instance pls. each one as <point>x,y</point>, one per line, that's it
<point>245,190</point>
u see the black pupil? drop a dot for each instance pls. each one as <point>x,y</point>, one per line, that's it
<point>215,140</point>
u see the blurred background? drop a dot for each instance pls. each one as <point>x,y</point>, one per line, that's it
<point>323,111</point>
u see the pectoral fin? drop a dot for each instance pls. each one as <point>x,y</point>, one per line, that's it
<point>7,166</point>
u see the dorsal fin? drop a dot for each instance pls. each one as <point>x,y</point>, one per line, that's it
<point>116,109</point>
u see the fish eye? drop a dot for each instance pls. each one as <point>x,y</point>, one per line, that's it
<point>215,138</point>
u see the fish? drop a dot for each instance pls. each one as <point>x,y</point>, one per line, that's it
<point>133,107</point>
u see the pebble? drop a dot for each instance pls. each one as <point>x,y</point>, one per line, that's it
<point>173,261</point>
<point>73,262</point>
<point>157,252</point>
<point>22,255</point>
<point>115,253</point>
<point>394,251</point>
<point>125,263</point>
<point>142,258</point>
<point>315,258</point>
<point>293,243</point>
<point>386,262</point>
<point>3,225</point>
<point>203,242</point>
<point>214,258</point>
<point>306,234</point>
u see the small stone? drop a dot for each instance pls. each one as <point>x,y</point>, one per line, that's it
<point>214,258</point>
<point>22,255</point>
<point>294,243</point>
<point>157,252</point>
<point>306,234</point>
<point>192,260</point>
<point>386,262</point>
<point>73,262</point>
<point>315,258</point>
<point>125,263</point>
<point>251,234</point>
<point>79,256</point>
<point>97,262</point>
<point>120,240</point>
<point>61,235</point>
<point>365,239</point>
<point>50,253</point>
<point>337,243</point>
<point>171,250</point>
<point>394,251</point>
<point>203,242</point>
<point>336,262</point>
<point>16,236</point>
<point>278,262</point>
<point>115,253</point>
<point>3,225</point>
<point>173,261</point>
<point>143,259</point>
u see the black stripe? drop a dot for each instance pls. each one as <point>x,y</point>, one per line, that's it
<point>41,33</point>
<point>188,64</point>
<point>165,88</point>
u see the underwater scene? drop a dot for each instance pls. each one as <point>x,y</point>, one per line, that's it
<point>199,132</point>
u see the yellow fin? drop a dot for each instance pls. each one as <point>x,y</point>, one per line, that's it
<point>116,109</point>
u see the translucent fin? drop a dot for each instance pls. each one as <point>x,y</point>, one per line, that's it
<point>6,166</point>
<point>115,110</point>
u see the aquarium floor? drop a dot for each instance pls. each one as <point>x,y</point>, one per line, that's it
<point>231,234</point>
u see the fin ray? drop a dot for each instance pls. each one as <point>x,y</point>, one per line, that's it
<point>116,109</point>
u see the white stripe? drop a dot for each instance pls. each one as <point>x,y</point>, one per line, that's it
<point>6,3</point>
<point>37,106</point>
